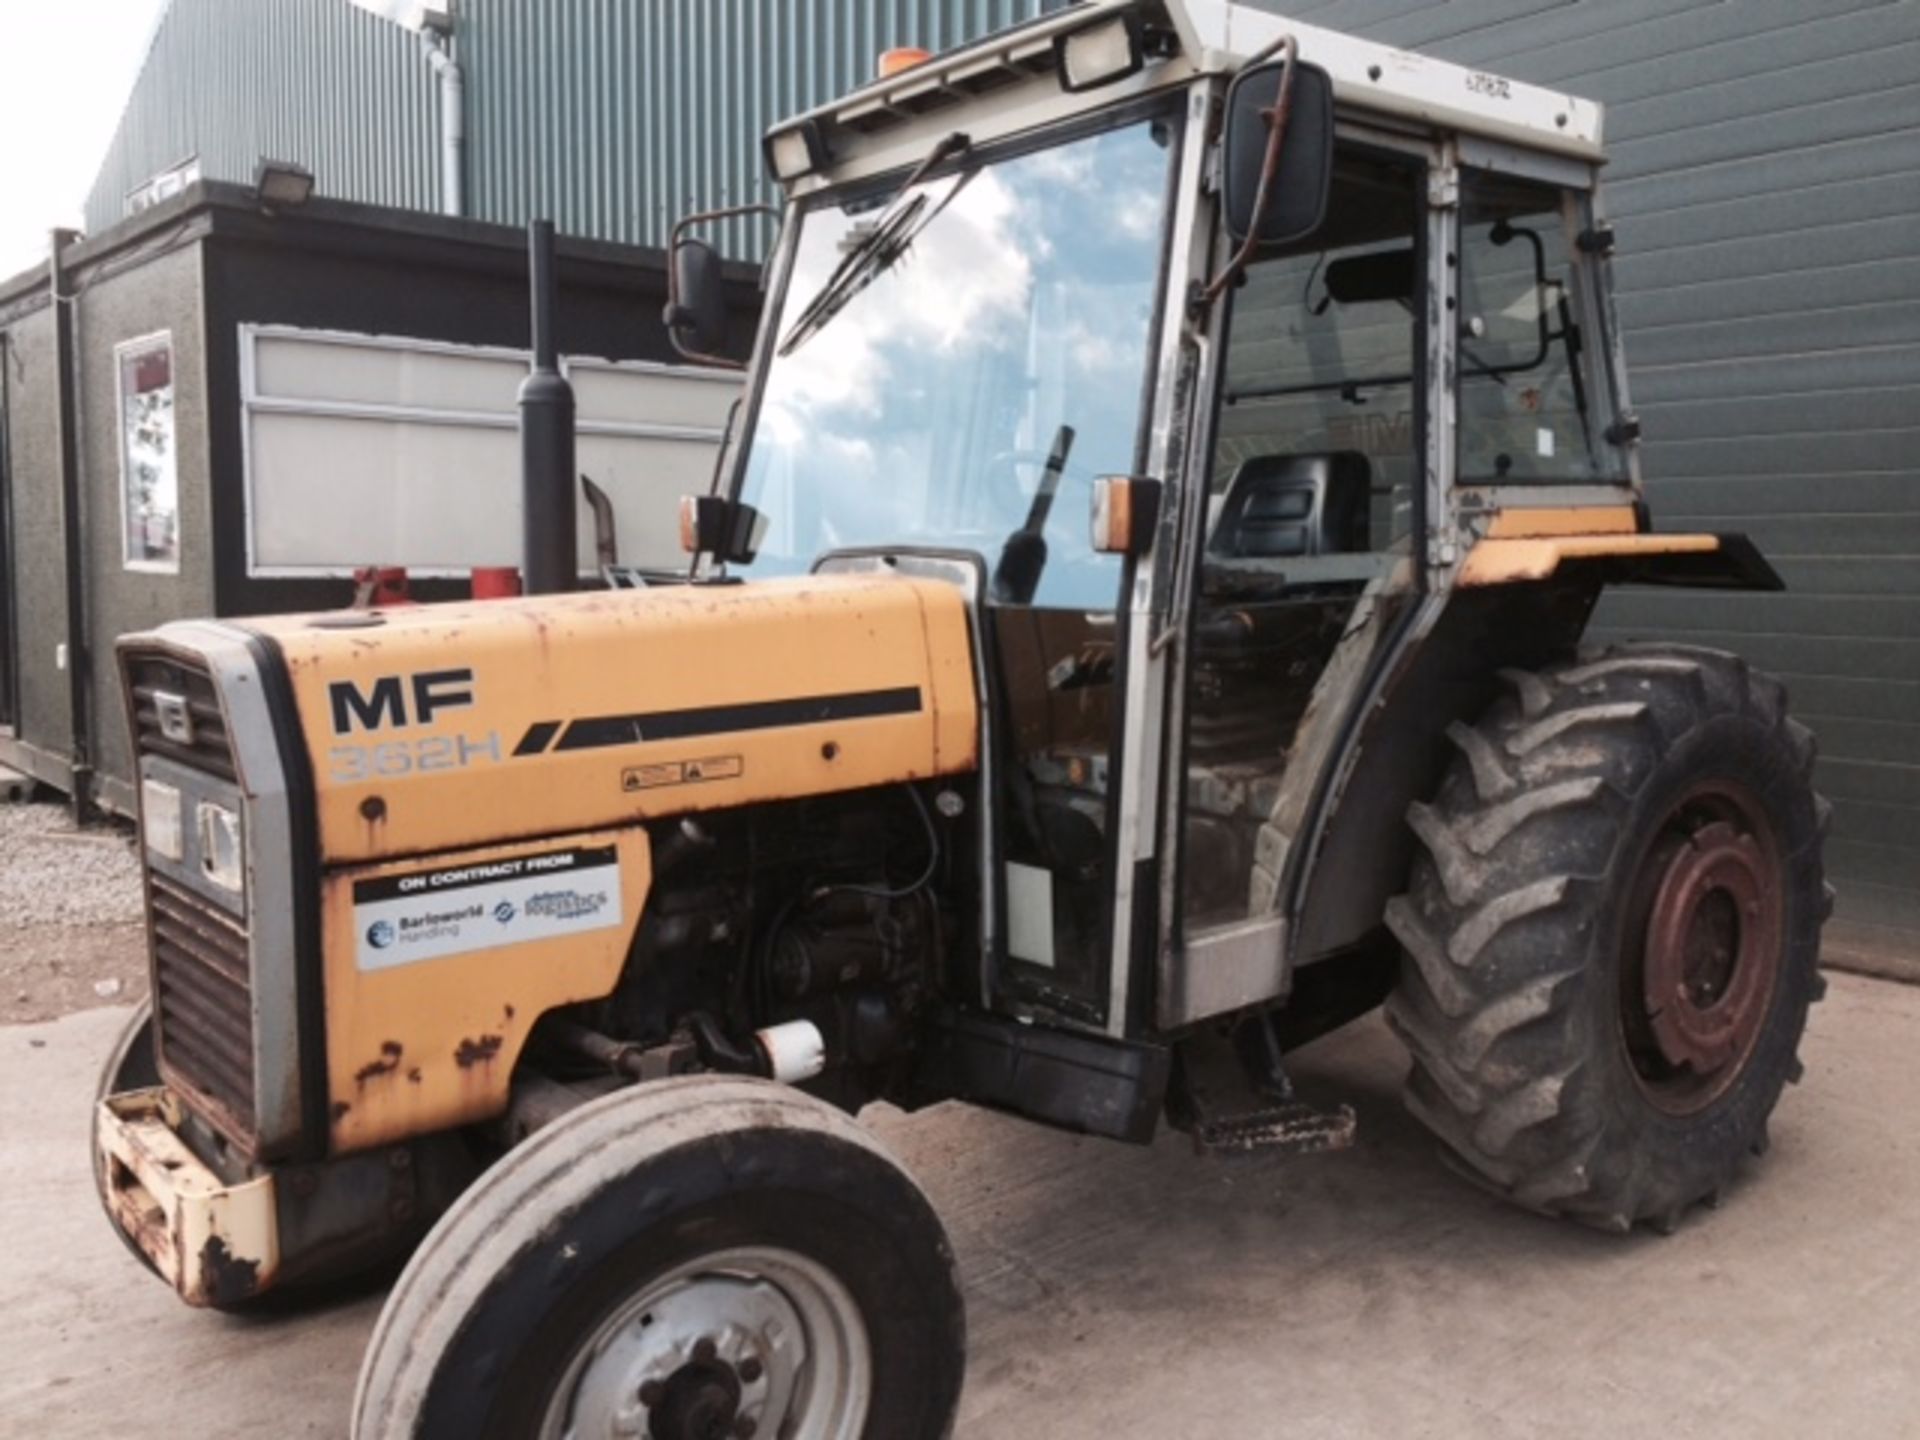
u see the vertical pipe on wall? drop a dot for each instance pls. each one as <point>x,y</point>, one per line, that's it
<point>73,532</point>
<point>546,437</point>
<point>453,131</point>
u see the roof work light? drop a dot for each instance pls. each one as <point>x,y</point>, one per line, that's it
<point>1100,54</point>
<point>798,150</point>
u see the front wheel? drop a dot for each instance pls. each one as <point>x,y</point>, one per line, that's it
<point>1613,933</point>
<point>689,1260</point>
<point>130,1065</point>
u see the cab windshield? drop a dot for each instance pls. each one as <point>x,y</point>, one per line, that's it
<point>980,377</point>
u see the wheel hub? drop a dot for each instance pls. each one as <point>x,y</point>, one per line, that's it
<point>742,1344</point>
<point>699,1401</point>
<point>1710,952</point>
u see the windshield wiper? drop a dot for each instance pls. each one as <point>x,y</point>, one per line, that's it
<point>879,246</point>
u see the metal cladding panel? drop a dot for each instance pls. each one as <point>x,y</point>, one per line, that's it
<point>616,117</point>
<point>1765,182</point>
<point>320,82</point>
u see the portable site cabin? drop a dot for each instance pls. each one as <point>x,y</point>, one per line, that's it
<point>236,407</point>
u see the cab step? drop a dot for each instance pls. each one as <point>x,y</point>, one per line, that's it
<point>1231,1093</point>
<point>1295,1129</point>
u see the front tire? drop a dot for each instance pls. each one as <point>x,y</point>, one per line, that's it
<point>1612,935</point>
<point>130,1065</point>
<point>692,1257</point>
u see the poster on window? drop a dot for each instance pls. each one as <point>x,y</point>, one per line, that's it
<point>152,499</point>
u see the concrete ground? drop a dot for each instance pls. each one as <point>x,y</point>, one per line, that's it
<point>1121,1292</point>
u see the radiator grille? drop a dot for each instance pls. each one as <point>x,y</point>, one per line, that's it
<point>203,998</point>
<point>202,975</point>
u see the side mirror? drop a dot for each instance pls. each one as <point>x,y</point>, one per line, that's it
<point>696,313</point>
<point>1297,194</point>
<point>728,530</point>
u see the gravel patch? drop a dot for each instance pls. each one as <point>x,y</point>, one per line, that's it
<point>53,874</point>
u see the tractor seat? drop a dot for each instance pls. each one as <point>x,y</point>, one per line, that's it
<point>1284,507</point>
<point>1262,640</point>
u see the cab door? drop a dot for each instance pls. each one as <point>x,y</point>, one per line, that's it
<point>1315,477</point>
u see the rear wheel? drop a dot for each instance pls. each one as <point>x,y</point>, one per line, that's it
<point>1613,933</point>
<point>688,1260</point>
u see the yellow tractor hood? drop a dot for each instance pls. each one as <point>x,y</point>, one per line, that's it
<point>432,727</point>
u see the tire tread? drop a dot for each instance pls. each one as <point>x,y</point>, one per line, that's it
<point>1515,853</point>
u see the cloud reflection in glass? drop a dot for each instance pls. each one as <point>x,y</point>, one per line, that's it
<point>922,413</point>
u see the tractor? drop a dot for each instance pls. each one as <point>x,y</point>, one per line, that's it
<point>1136,628</point>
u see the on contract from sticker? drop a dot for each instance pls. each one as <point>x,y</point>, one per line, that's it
<point>451,910</point>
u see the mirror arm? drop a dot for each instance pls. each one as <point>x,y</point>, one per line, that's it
<point>704,217</point>
<point>1269,167</point>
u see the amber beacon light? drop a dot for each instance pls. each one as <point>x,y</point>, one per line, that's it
<point>901,57</point>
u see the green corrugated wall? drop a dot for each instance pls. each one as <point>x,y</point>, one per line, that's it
<point>617,116</point>
<point>612,117</point>
<point>321,82</point>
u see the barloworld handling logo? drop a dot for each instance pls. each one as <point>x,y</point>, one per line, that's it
<point>380,934</point>
<point>504,912</point>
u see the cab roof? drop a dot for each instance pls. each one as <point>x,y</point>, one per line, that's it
<point>1206,37</point>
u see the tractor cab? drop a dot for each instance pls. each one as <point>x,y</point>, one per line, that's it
<point>1199,348</point>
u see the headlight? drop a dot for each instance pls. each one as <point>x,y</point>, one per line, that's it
<point>160,820</point>
<point>220,858</point>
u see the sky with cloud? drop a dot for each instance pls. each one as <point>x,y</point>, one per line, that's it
<point>66,68</point>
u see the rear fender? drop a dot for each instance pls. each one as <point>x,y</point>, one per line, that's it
<point>1715,562</point>
<point>1361,847</point>
<point>1519,602</point>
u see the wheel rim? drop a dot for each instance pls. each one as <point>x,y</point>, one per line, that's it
<point>743,1343</point>
<point>1706,931</point>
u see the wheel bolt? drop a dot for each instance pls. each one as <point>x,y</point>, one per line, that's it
<point>750,1370</point>
<point>651,1392</point>
<point>704,1351</point>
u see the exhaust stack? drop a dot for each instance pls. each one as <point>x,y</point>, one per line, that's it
<point>546,438</point>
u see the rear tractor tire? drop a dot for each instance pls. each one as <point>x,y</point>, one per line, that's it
<point>1612,932</point>
<point>693,1258</point>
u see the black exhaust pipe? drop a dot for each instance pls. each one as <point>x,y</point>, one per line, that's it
<point>546,439</point>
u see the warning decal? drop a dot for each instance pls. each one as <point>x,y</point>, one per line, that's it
<point>682,772</point>
<point>427,914</point>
